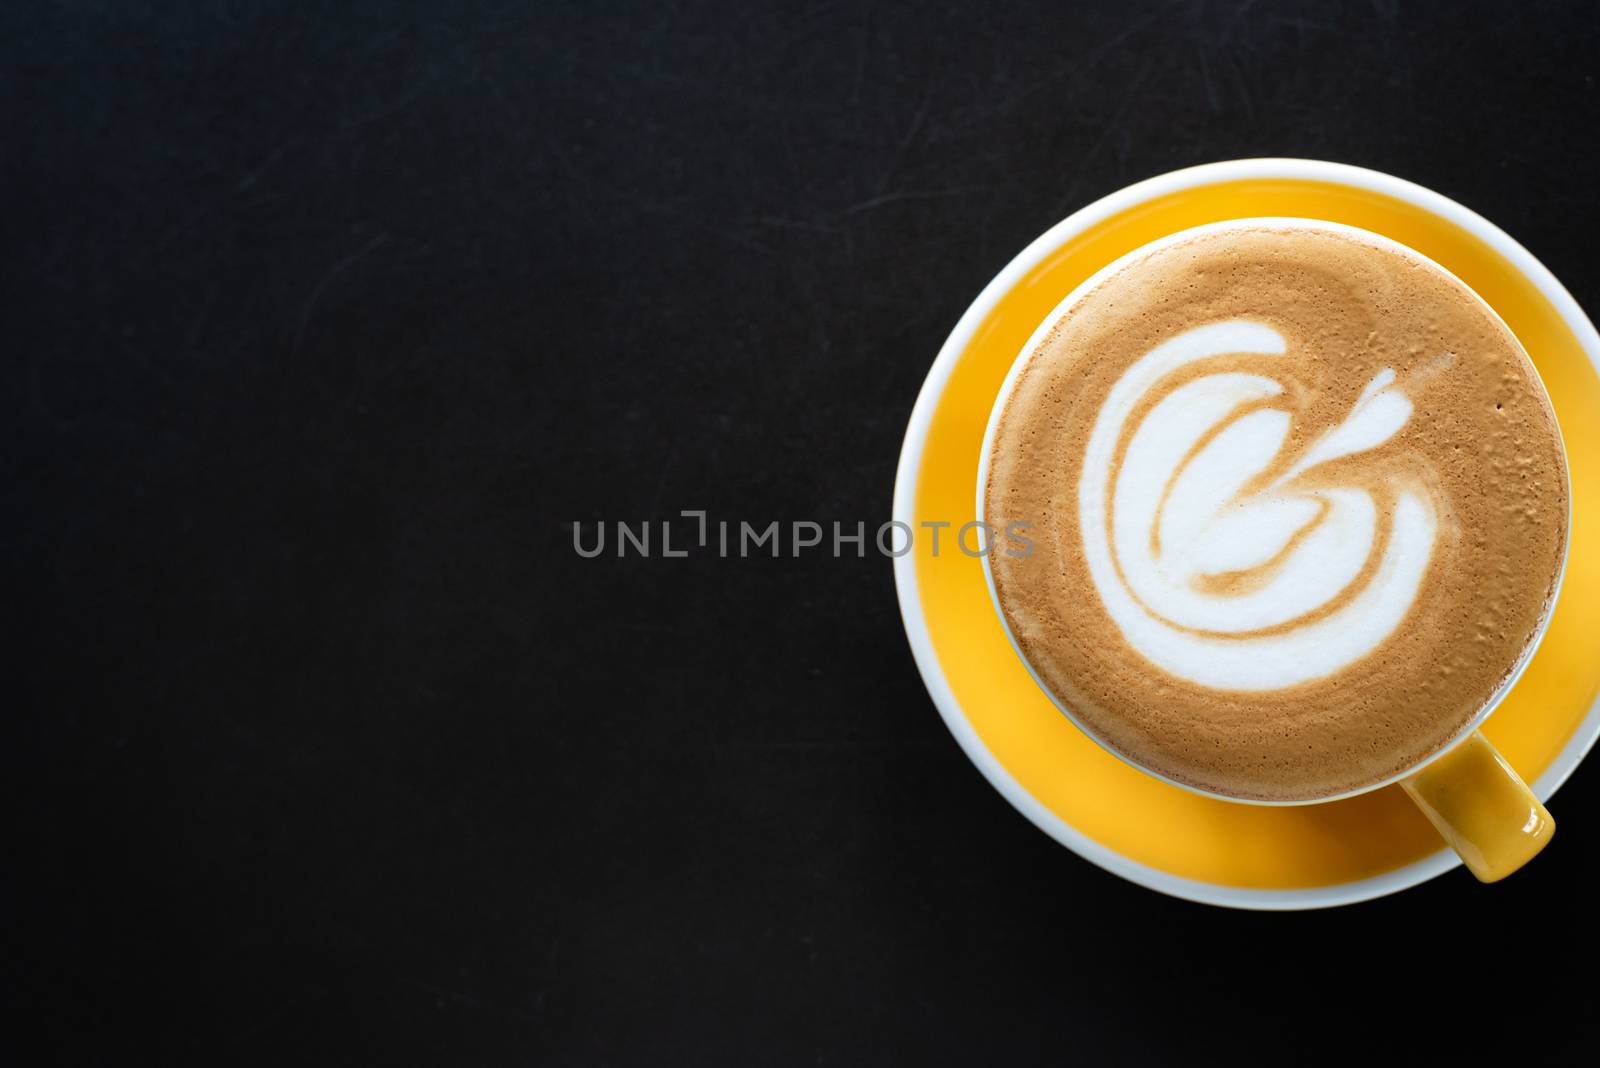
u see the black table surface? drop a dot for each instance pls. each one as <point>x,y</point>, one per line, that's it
<point>326,321</point>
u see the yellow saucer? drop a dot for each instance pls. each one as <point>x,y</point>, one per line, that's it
<point>1159,835</point>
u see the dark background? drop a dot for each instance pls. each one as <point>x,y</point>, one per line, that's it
<point>324,324</point>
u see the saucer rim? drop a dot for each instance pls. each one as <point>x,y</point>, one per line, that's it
<point>910,463</point>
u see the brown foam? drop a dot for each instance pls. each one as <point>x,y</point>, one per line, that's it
<point>1481,436</point>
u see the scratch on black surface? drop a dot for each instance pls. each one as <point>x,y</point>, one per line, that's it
<point>912,194</point>
<point>786,223</point>
<point>1089,63</point>
<point>805,24</point>
<point>661,479</point>
<point>328,278</point>
<point>1108,125</point>
<point>917,119</point>
<point>383,111</point>
<point>1213,104</point>
<point>1234,19</point>
<point>253,175</point>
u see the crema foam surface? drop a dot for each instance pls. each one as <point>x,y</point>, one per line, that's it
<point>1299,507</point>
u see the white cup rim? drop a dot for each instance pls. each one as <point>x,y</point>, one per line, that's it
<point>1055,317</point>
<point>910,461</point>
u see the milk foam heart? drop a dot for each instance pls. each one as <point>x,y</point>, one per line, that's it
<point>1298,501</point>
<point>1180,513</point>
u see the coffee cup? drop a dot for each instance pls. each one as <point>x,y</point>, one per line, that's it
<point>1466,789</point>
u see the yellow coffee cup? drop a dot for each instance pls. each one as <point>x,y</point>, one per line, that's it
<point>1149,830</point>
<point>1467,790</point>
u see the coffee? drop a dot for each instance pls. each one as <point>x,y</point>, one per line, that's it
<point>1299,506</point>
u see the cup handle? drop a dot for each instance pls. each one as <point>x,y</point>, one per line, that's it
<point>1482,808</point>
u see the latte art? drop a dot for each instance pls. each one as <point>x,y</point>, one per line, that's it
<point>1298,504</point>
<point>1183,521</point>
